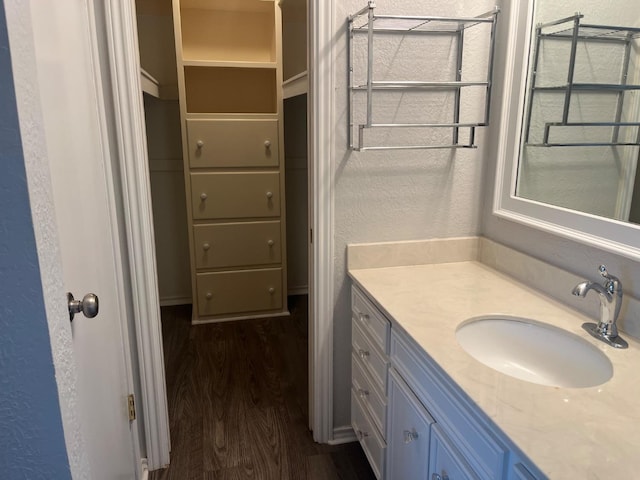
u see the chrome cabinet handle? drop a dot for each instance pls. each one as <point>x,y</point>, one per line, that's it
<point>363,353</point>
<point>88,306</point>
<point>410,435</point>
<point>363,393</point>
<point>437,476</point>
<point>363,317</point>
<point>362,435</point>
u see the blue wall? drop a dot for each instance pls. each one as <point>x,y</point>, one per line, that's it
<point>32,442</point>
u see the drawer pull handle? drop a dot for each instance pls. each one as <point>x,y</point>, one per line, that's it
<point>363,353</point>
<point>270,243</point>
<point>362,435</point>
<point>272,290</point>
<point>206,246</point>
<point>209,295</point>
<point>269,194</point>
<point>436,476</point>
<point>363,317</point>
<point>203,196</point>
<point>363,393</point>
<point>410,435</point>
<point>199,144</point>
<point>267,144</point>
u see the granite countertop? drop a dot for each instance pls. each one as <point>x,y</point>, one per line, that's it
<point>568,433</point>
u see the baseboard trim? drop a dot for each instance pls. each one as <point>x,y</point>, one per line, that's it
<point>342,435</point>
<point>171,301</point>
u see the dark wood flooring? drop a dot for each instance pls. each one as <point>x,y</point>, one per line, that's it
<point>238,402</point>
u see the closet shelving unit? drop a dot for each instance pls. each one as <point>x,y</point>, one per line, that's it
<point>367,22</point>
<point>571,29</point>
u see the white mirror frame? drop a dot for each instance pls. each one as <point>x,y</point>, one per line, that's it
<point>611,235</point>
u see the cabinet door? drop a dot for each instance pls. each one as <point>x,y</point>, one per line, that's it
<point>445,462</point>
<point>407,433</point>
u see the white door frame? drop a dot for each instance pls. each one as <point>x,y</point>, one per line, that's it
<point>125,67</point>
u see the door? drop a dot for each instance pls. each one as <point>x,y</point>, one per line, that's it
<point>83,197</point>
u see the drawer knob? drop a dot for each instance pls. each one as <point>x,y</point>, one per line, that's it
<point>362,434</point>
<point>363,353</point>
<point>363,317</point>
<point>203,196</point>
<point>208,295</point>
<point>363,393</point>
<point>270,243</point>
<point>269,194</point>
<point>410,435</point>
<point>206,246</point>
<point>272,290</point>
<point>199,144</point>
<point>267,144</point>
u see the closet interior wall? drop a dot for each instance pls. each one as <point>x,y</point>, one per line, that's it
<point>164,144</point>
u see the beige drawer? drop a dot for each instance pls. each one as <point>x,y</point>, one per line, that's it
<point>237,244</point>
<point>233,143</point>
<point>239,292</point>
<point>370,319</point>
<point>376,363</point>
<point>373,445</point>
<point>235,195</point>
<point>370,397</point>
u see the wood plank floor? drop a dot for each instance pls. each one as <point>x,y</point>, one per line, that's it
<point>238,398</point>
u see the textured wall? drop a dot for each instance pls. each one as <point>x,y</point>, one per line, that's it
<point>569,255</point>
<point>31,435</point>
<point>399,195</point>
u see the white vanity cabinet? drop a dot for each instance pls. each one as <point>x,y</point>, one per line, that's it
<point>433,431</point>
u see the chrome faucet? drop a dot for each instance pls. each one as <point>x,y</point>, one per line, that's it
<point>610,295</point>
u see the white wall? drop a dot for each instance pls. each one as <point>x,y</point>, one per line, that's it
<point>395,195</point>
<point>569,255</point>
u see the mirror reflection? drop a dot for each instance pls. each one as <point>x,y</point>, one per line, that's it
<point>580,140</point>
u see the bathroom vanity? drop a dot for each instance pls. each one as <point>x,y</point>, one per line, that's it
<point>422,407</point>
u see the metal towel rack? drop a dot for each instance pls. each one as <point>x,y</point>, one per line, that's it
<point>366,22</point>
<point>570,29</point>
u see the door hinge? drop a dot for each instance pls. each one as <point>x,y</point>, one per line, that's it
<point>131,404</point>
<point>311,235</point>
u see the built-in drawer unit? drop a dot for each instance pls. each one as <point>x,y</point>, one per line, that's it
<point>445,461</point>
<point>372,443</point>
<point>408,434</point>
<point>481,449</point>
<point>235,195</point>
<point>233,143</point>
<point>237,244</point>
<point>239,291</point>
<point>374,400</point>
<point>374,361</point>
<point>370,319</point>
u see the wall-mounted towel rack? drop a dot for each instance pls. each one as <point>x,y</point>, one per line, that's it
<point>362,93</point>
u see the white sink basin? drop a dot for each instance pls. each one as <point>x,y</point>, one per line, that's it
<point>534,351</point>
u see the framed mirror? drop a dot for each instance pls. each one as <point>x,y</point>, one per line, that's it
<point>570,140</point>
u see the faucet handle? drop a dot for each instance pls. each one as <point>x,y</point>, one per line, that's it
<point>613,283</point>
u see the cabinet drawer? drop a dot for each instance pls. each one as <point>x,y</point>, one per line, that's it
<point>480,448</point>
<point>237,244</point>
<point>370,319</point>
<point>370,397</point>
<point>408,432</point>
<point>373,445</point>
<point>375,363</point>
<point>235,195</point>
<point>233,143</point>
<point>446,461</point>
<point>239,292</point>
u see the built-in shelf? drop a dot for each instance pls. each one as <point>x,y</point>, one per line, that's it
<point>296,85</point>
<point>149,84</point>
<point>214,63</point>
